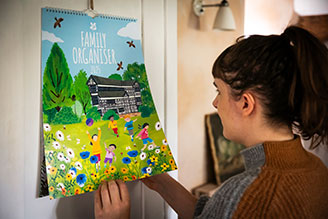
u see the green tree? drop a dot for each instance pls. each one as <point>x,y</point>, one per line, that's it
<point>66,116</point>
<point>110,113</point>
<point>81,90</point>
<point>93,114</point>
<point>57,81</point>
<point>115,77</point>
<point>138,73</point>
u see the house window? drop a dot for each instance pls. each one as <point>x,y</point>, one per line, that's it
<point>111,101</point>
<point>93,88</point>
<point>95,100</point>
<point>120,110</point>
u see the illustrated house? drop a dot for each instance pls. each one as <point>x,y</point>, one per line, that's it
<point>123,97</point>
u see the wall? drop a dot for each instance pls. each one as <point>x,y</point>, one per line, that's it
<point>20,86</point>
<point>198,47</point>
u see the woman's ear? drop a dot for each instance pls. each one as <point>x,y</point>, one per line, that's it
<point>247,103</point>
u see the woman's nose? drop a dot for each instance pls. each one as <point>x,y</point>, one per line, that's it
<point>215,103</point>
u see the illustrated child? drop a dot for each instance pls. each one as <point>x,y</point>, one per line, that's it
<point>113,125</point>
<point>143,135</point>
<point>96,149</point>
<point>110,154</point>
<point>129,126</point>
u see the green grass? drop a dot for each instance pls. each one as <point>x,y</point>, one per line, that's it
<point>62,183</point>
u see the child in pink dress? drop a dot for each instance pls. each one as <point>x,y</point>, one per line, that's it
<point>110,155</point>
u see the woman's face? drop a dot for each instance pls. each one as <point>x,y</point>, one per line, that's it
<point>227,109</point>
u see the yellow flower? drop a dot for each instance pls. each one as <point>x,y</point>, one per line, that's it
<point>170,153</point>
<point>94,176</point>
<point>163,148</point>
<point>154,159</point>
<point>145,175</point>
<point>164,166</point>
<point>77,191</point>
<point>51,198</point>
<point>68,176</point>
<point>124,170</point>
<point>107,172</point>
<point>171,161</point>
<point>89,188</point>
<point>174,167</point>
<point>112,169</point>
<point>53,170</point>
<point>125,178</point>
<point>51,189</point>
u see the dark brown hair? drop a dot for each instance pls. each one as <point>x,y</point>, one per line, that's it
<point>288,72</point>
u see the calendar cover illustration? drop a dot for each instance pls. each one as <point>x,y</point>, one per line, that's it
<point>99,118</point>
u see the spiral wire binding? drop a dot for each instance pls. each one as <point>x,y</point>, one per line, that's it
<point>81,13</point>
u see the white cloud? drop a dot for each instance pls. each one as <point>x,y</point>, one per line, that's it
<point>131,30</point>
<point>51,37</point>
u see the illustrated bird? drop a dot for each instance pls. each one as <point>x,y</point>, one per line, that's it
<point>57,23</point>
<point>119,66</point>
<point>131,44</point>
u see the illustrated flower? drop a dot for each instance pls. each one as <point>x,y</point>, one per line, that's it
<point>143,156</point>
<point>158,126</point>
<point>154,159</point>
<point>60,186</point>
<point>72,171</point>
<point>124,170</point>
<point>125,178</point>
<point>144,170</point>
<point>164,166</point>
<point>69,176</point>
<point>157,151</point>
<point>62,166</point>
<point>134,177</point>
<point>69,137</point>
<point>51,198</point>
<point>78,165</point>
<point>164,141</point>
<point>67,160</point>
<point>89,188</point>
<point>128,148</point>
<point>51,189</point>
<point>149,170</point>
<point>126,160</point>
<point>112,169</point>
<point>85,154</point>
<point>46,127</point>
<point>77,191</point>
<point>94,159</point>
<point>60,136</point>
<point>81,179</point>
<point>151,147</point>
<point>145,175</point>
<point>56,144</point>
<point>171,161</point>
<point>48,168</point>
<point>70,152</point>
<point>107,172</point>
<point>174,167</point>
<point>150,163</point>
<point>94,176</point>
<point>133,153</point>
<point>170,153</point>
<point>60,156</point>
<point>163,148</point>
<point>53,170</point>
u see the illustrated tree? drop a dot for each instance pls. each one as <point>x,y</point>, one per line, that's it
<point>115,77</point>
<point>57,81</point>
<point>137,72</point>
<point>81,90</point>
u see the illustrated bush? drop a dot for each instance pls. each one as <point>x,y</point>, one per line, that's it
<point>145,111</point>
<point>66,116</point>
<point>110,113</point>
<point>93,114</point>
<point>50,115</point>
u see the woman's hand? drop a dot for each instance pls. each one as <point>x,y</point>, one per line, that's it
<point>112,201</point>
<point>154,182</point>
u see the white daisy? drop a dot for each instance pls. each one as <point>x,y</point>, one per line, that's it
<point>60,186</point>
<point>62,166</point>
<point>46,127</point>
<point>60,135</point>
<point>158,126</point>
<point>78,165</point>
<point>70,153</point>
<point>143,156</point>
<point>150,147</point>
<point>148,170</point>
<point>164,141</point>
<point>72,172</point>
<point>56,144</point>
<point>67,160</point>
<point>48,169</point>
<point>60,156</point>
<point>157,151</point>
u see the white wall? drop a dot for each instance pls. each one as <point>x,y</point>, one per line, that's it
<point>20,86</point>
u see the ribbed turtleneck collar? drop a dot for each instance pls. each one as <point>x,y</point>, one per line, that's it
<point>276,154</point>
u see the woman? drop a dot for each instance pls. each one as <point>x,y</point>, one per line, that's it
<point>268,88</point>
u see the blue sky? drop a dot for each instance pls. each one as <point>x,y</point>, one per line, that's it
<point>68,37</point>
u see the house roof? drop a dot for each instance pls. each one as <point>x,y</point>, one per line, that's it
<point>107,81</point>
<point>111,93</point>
